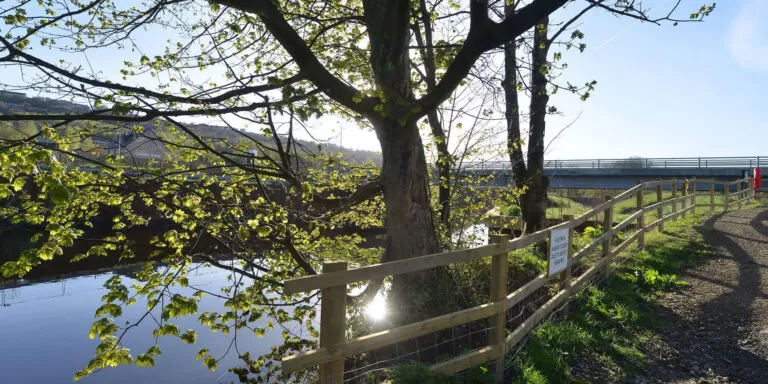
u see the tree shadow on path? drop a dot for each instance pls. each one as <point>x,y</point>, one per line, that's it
<point>706,327</point>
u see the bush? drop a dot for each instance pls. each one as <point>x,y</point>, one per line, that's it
<point>511,210</point>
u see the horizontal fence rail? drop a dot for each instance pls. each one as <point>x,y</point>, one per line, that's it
<point>335,277</point>
<point>634,163</point>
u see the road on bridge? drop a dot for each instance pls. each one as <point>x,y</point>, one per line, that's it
<point>716,329</point>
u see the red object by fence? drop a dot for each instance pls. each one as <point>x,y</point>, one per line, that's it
<point>758,179</point>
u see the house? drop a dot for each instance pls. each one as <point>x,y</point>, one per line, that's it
<point>136,149</point>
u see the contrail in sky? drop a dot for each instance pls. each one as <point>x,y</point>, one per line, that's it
<point>611,39</point>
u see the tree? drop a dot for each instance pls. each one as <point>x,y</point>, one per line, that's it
<point>387,99</point>
<point>272,64</point>
<point>528,167</point>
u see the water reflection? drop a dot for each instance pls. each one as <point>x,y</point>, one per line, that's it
<point>44,334</point>
<point>472,236</point>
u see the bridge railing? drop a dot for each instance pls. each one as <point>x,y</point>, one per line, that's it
<point>503,333</point>
<point>633,163</point>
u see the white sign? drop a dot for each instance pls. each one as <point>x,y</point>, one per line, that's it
<point>558,250</point>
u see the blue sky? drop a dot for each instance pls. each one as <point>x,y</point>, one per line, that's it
<point>698,89</point>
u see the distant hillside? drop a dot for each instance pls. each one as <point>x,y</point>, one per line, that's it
<point>226,133</point>
<point>16,102</point>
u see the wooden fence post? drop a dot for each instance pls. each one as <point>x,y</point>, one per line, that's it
<point>641,218</point>
<point>607,226</point>
<point>498,334</point>
<point>738,193</point>
<point>751,187</point>
<point>333,319</point>
<point>566,278</point>
<point>660,211</point>
<point>693,196</point>
<point>711,197</point>
<point>726,192</point>
<point>683,193</point>
<point>674,195</point>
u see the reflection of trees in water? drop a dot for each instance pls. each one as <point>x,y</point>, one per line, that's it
<point>9,289</point>
<point>8,294</point>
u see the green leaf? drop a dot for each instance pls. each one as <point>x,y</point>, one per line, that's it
<point>145,360</point>
<point>166,329</point>
<point>211,363</point>
<point>243,232</point>
<point>113,310</point>
<point>18,183</point>
<point>60,194</point>
<point>189,337</point>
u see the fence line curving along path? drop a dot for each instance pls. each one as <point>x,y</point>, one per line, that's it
<point>334,348</point>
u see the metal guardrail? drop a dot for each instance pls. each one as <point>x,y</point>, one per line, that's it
<point>636,163</point>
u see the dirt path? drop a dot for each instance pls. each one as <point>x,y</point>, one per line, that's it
<point>716,330</point>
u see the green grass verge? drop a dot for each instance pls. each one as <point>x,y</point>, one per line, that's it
<point>556,208</point>
<point>609,324</point>
<point>561,204</point>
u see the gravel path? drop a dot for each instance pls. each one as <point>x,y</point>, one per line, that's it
<point>716,330</point>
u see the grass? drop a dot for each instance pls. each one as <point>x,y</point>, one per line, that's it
<point>565,203</point>
<point>609,324</point>
<point>612,323</point>
<point>559,206</point>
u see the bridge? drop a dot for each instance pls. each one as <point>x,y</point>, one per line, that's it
<point>624,173</point>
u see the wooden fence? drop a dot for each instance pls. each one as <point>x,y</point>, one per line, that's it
<point>334,347</point>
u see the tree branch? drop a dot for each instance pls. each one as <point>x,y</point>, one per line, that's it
<point>315,71</point>
<point>483,36</point>
<point>240,91</point>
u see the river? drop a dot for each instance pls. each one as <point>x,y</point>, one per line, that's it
<point>44,328</point>
<point>44,335</point>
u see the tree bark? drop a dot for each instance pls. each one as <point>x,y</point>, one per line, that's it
<point>512,108</point>
<point>534,200</point>
<point>405,177</point>
<point>444,160</point>
<point>443,169</point>
<point>528,175</point>
<point>409,222</point>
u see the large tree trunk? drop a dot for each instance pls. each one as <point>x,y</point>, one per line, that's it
<point>529,176</point>
<point>410,226</point>
<point>535,198</point>
<point>512,109</point>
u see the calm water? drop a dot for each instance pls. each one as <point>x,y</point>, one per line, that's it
<point>44,335</point>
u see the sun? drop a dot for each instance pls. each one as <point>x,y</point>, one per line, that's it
<point>376,310</point>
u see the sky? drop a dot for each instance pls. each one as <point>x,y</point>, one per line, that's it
<point>697,89</point>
